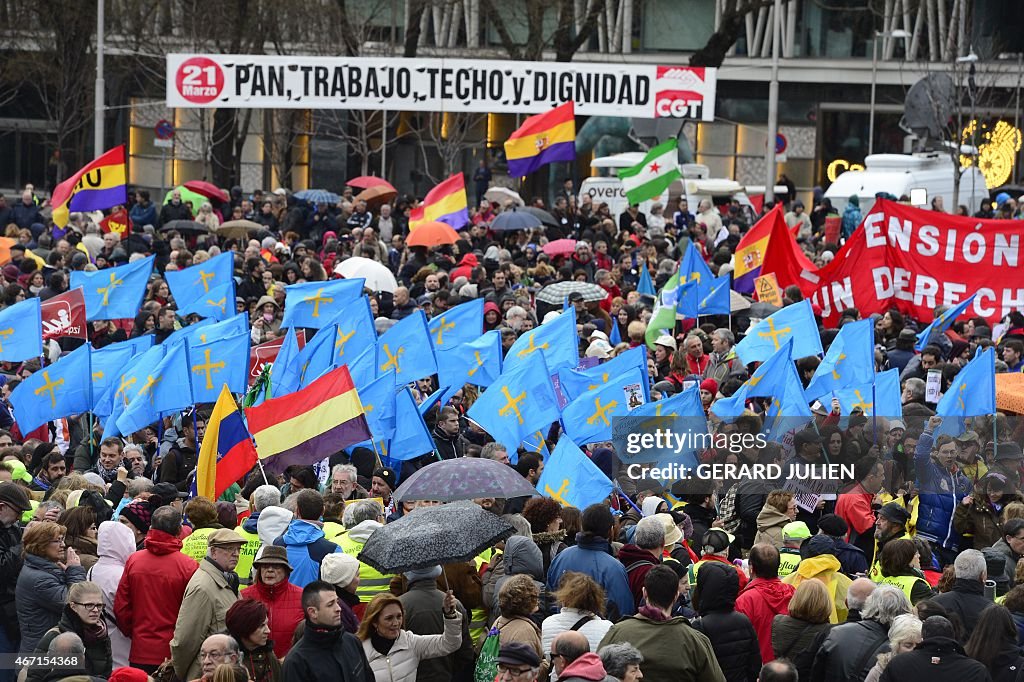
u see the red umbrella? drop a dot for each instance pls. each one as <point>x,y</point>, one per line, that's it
<point>560,247</point>
<point>207,189</point>
<point>432,234</point>
<point>367,181</point>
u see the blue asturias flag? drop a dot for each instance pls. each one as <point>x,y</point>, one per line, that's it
<point>378,399</point>
<point>850,360</point>
<point>688,301</point>
<point>128,385</point>
<point>693,268</point>
<point>881,399</point>
<point>588,418</point>
<point>198,282</point>
<point>286,372</point>
<point>114,293</point>
<point>556,341</point>
<point>462,324</point>
<point>55,391</point>
<point>717,301</point>
<point>571,479</point>
<point>942,322</point>
<point>972,392</point>
<point>787,411</point>
<point>767,380</point>
<point>406,348</point>
<point>412,437</point>
<point>21,331</point>
<point>315,304</point>
<point>363,368</point>
<point>575,383</point>
<point>683,413</point>
<point>216,363</point>
<point>354,330</point>
<point>317,356</point>
<point>181,336</point>
<point>615,337</point>
<point>520,402</point>
<point>794,322</point>
<point>139,344</point>
<point>217,304</point>
<point>477,363</point>
<point>535,442</point>
<point>165,389</point>
<point>646,285</point>
<point>107,364</point>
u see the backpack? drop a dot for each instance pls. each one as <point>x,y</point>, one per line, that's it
<point>487,662</point>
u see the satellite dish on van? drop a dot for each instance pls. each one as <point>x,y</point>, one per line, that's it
<point>656,129</point>
<point>928,106</point>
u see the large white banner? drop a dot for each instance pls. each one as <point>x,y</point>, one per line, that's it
<point>467,85</point>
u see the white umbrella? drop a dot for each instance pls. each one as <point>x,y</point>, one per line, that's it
<point>377,276</point>
<point>500,195</point>
<point>738,302</point>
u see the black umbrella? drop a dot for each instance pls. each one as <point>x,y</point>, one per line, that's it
<point>761,310</point>
<point>543,215</point>
<point>432,536</point>
<point>185,226</point>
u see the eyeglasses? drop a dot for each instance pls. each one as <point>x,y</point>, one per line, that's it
<point>215,655</point>
<point>58,541</point>
<point>89,607</point>
<point>513,672</point>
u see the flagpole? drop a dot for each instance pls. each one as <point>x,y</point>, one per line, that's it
<point>259,460</point>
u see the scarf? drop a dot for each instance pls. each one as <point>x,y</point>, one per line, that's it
<point>653,613</point>
<point>381,645</point>
<point>93,634</point>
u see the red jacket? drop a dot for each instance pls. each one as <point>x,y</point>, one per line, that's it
<point>284,608</point>
<point>465,268</point>
<point>760,601</point>
<point>149,596</point>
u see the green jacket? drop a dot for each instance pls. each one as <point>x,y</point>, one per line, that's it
<point>673,650</point>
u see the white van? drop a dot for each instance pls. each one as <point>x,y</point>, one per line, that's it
<point>921,177</point>
<point>697,184</point>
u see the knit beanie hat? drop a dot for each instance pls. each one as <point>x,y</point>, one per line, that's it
<point>139,514</point>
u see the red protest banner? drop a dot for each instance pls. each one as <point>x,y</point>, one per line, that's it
<point>265,353</point>
<point>914,260</point>
<point>64,316</point>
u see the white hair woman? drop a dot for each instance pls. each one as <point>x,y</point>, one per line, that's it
<point>904,636</point>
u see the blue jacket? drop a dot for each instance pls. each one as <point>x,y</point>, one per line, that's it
<point>306,547</point>
<point>940,493</point>
<point>592,556</point>
<point>142,215</point>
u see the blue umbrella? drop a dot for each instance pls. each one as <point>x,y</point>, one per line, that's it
<point>515,220</point>
<point>318,196</point>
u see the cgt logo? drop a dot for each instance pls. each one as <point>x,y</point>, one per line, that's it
<point>679,92</point>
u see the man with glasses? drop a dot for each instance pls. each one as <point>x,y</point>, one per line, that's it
<point>217,649</point>
<point>344,482</point>
<point>517,663</point>
<point>134,460</point>
<point>208,596</point>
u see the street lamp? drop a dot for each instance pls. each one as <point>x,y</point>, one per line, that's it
<point>898,33</point>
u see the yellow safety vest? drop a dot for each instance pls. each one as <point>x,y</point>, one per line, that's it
<point>371,581</point>
<point>876,568</point>
<point>333,530</point>
<point>788,561</point>
<point>478,616</point>
<point>196,544</point>
<point>905,583</point>
<point>247,556</point>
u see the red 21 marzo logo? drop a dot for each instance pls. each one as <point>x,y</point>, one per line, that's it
<point>199,80</point>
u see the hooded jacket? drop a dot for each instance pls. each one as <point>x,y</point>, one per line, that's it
<point>272,523</point>
<point>149,596</point>
<point>592,556</point>
<point>521,555</point>
<point>284,610</point>
<point>371,581</point>
<point>638,562</point>
<point>465,267</point>
<point>825,568</point>
<point>761,600</point>
<point>586,668</point>
<point>41,593</point>
<point>306,547</point>
<point>731,634</point>
<point>115,544</point>
<point>769,526</point>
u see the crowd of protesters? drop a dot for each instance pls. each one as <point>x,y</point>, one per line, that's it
<point>105,559</point>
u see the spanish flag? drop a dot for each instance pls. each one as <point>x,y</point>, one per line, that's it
<point>751,250</point>
<point>542,139</point>
<point>227,453</point>
<point>446,203</point>
<point>306,426</point>
<point>102,183</point>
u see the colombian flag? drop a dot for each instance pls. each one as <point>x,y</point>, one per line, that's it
<point>100,184</point>
<point>542,139</point>
<point>446,203</point>
<point>751,250</point>
<point>310,424</point>
<point>227,452</point>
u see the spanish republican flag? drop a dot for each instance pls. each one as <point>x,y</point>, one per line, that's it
<point>101,184</point>
<point>542,139</point>
<point>227,453</point>
<point>446,203</point>
<point>308,425</point>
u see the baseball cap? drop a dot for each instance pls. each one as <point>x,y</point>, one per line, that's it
<point>165,493</point>
<point>797,530</point>
<point>718,539</point>
<point>895,513</point>
<point>18,471</point>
